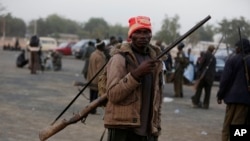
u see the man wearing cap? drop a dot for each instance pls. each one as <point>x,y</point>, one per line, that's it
<point>233,89</point>
<point>134,87</point>
<point>207,65</point>
<point>96,60</point>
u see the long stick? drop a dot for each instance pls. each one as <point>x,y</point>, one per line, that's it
<point>80,92</point>
<point>53,129</point>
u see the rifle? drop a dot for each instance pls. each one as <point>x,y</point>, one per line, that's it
<point>82,84</point>
<point>178,40</point>
<point>197,82</point>
<point>80,92</point>
<point>244,60</point>
<point>53,129</point>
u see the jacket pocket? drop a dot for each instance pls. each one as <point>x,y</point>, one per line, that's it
<point>129,100</point>
<point>126,114</point>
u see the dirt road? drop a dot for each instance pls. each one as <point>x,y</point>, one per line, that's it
<point>29,103</point>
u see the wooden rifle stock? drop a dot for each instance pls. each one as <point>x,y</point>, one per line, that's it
<point>197,82</point>
<point>55,128</point>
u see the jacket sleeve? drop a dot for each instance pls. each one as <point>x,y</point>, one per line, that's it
<point>226,80</point>
<point>120,82</point>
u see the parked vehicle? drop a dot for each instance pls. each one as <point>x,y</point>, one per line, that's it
<point>48,43</point>
<point>78,48</point>
<point>220,64</point>
<point>223,53</point>
<point>65,48</point>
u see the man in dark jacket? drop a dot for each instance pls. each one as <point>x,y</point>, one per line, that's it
<point>207,66</point>
<point>233,89</point>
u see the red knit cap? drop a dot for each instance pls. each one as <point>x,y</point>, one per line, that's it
<point>138,22</point>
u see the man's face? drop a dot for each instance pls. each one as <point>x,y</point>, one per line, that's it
<point>141,37</point>
<point>237,50</point>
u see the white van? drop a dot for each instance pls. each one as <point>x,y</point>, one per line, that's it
<point>48,43</point>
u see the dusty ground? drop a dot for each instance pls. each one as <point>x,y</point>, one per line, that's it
<point>29,103</point>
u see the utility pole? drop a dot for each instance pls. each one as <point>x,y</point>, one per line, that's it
<point>35,27</point>
<point>3,27</point>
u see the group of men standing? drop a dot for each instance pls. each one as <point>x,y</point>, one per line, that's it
<point>134,90</point>
<point>234,86</point>
<point>186,71</point>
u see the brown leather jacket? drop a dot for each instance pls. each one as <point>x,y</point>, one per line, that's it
<point>124,92</point>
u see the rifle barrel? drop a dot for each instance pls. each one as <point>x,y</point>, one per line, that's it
<point>178,40</point>
<point>80,92</point>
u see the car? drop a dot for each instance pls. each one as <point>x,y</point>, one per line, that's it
<point>65,48</point>
<point>78,48</point>
<point>48,43</point>
<point>223,53</point>
<point>220,64</point>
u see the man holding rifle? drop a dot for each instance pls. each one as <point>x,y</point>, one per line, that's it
<point>134,88</point>
<point>206,73</point>
<point>134,93</point>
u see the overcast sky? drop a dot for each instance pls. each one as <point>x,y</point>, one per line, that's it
<point>119,11</point>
